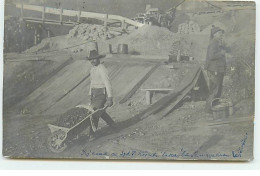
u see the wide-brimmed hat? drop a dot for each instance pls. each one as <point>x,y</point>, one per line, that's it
<point>93,54</point>
<point>216,29</point>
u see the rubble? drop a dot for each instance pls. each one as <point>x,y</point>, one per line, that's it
<point>91,32</point>
<point>149,40</point>
<point>188,28</point>
<point>72,117</point>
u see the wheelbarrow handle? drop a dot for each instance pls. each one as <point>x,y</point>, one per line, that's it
<point>105,107</point>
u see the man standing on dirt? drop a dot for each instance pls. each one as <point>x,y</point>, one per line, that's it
<point>100,91</point>
<point>215,65</point>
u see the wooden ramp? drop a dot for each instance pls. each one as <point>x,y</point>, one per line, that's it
<point>70,86</point>
<point>53,89</point>
<point>124,77</point>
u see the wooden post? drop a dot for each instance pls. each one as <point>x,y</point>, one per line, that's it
<point>148,97</point>
<point>123,24</point>
<point>43,14</point>
<point>22,15</point>
<point>79,14</point>
<point>110,49</point>
<point>61,11</point>
<point>35,36</point>
<point>105,22</point>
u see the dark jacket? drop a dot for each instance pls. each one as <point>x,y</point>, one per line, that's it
<point>216,61</point>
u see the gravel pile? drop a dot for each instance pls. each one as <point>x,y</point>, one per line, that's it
<point>188,28</point>
<point>72,117</point>
<point>183,45</point>
<point>149,40</point>
<point>90,32</point>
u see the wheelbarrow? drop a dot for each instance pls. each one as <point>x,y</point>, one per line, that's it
<point>60,136</point>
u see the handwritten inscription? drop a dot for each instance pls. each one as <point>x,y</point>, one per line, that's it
<point>182,154</point>
<point>238,153</point>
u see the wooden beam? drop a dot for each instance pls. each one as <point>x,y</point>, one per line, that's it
<point>148,97</point>
<point>138,85</point>
<point>157,89</point>
<point>61,11</point>
<point>170,108</point>
<point>99,16</point>
<point>43,14</point>
<point>79,14</point>
<point>39,20</point>
<point>22,15</point>
<point>167,100</point>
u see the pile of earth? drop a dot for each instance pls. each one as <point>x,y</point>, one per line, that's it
<point>76,39</point>
<point>72,117</point>
<point>50,44</point>
<point>149,40</point>
<point>188,28</point>
<point>90,32</point>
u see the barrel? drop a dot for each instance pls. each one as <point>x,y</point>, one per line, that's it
<point>122,49</point>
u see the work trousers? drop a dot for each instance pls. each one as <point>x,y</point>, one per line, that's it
<point>98,100</point>
<point>215,88</point>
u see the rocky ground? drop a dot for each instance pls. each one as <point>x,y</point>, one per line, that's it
<point>187,128</point>
<point>187,133</point>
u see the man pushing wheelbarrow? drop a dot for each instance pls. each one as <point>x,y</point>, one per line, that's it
<point>100,92</point>
<point>74,121</point>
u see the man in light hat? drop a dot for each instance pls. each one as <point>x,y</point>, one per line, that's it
<point>100,90</point>
<point>215,65</point>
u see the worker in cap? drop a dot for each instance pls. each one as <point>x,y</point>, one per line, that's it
<point>215,65</point>
<point>100,91</point>
<point>214,30</point>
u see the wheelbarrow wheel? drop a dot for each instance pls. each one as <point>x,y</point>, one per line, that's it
<point>56,141</point>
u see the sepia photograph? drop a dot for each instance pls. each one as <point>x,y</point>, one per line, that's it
<point>129,80</point>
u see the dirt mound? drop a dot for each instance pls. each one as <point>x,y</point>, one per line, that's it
<point>72,117</point>
<point>80,34</point>
<point>90,32</point>
<point>149,40</point>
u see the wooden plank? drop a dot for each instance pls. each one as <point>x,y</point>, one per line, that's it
<point>83,14</point>
<point>79,14</point>
<point>73,88</point>
<point>168,98</point>
<point>157,89</point>
<point>50,22</point>
<point>43,14</point>
<point>148,97</point>
<point>54,88</point>
<point>79,95</point>
<point>165,101</point>
<point>170,108</point>
<point>22,14</point>
<point>61,12</point>
<point>138,85</point>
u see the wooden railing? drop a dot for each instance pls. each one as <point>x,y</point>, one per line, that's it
<point>64,12</point>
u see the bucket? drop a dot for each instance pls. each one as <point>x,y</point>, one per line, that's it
<point>122,49</point>
<point>220,109</point>
<point>229,104</point>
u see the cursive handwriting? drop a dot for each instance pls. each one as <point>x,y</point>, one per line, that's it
<point>182,154</point>
<point>238,153</point>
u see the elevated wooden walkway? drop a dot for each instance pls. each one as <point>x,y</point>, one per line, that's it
<point>107,18</point>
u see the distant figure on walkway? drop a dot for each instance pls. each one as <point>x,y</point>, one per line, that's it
<point>215,65</point>
<point>100,90</point>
